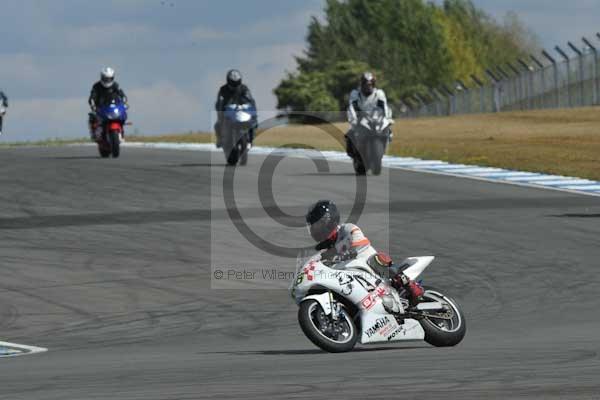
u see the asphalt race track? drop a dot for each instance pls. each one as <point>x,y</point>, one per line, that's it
<point>108,264</point>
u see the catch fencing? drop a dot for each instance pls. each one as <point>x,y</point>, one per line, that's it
<point>536,82</point>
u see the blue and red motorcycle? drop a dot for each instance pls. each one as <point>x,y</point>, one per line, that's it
<point>112,119</point>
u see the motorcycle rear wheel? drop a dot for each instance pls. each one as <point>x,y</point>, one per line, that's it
<point>314,324</point>
<point>450,328</point>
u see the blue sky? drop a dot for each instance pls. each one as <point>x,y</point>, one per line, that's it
<point>171,55</point>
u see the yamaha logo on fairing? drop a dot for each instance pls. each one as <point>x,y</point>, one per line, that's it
<point>380,323</point>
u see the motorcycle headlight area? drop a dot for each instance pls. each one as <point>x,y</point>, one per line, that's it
<point>242,116</point>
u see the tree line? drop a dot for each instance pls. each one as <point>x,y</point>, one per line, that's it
<point>411,46</point>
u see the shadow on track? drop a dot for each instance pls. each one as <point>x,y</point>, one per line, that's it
<point>75,158</point>
<point>205,165</point>
<point>311,351</point>
<point>326,174</point>
<point>121,218</point>
<point>577,216</point>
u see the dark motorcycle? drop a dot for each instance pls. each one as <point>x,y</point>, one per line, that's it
<point>369,141</point>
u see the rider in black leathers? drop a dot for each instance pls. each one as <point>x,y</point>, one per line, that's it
<point>233,92</point>
<point>103,93</point>
<point>3,103</point>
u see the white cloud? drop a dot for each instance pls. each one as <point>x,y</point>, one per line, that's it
<point>107,36</point>
<point>20,67</point>
<point>165,108</point>
<point>39,118</point>
<point>201,33</point>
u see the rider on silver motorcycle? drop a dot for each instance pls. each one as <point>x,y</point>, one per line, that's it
<point>363,100</point>
<point>346,241</point>
<point>234,91</point>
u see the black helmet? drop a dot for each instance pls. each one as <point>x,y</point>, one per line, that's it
<point>234,78</point>
<point>367,83</point>
<point>322,220</point>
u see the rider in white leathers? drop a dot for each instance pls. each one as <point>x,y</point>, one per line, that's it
<point>364,99</point>
<point>347,241</point>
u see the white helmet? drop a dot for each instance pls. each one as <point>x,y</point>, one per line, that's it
<point>107,77</point>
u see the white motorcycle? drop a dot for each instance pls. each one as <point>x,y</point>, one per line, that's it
<point>347,301</point>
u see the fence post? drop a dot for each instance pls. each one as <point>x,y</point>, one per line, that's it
<point>555,68</point>
<point>506,86</point>
<point>466,96</point>
<point>596,84</point>
<point>543,70</point>
<point>496,105</point>
<point>480,84</point>
<point>519,85</point>
<point>581,73</point>
<point>451,98</point>
<point>568,62</point>
<point>436,100</point>
<point>529,86</point>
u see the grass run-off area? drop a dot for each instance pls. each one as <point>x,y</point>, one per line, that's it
<point>564,142</point>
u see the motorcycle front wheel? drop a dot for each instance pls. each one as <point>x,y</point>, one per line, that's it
<point>244,150</point>
<point>375,155</point>
<point>328,334</point>
<point>115,142</point>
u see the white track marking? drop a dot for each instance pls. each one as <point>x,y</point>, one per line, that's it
<point>8,349</point>
<point>437,167</point>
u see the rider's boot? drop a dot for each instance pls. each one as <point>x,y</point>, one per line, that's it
<point>382,263</point>
<point>219,141</point>
<point>414,289</point>
<point>349,145</point>
<point>250,138</point>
